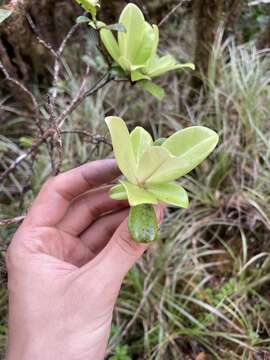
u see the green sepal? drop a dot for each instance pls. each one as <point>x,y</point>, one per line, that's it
<point>118,192</point>
<point>142,223</point>
<point>154,89</point>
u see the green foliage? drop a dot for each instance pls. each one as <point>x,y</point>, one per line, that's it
<point>150,169</point>
<point>121,353</point>
<point>135,50</point>
<point>90,6</point>
<point>254,20</point>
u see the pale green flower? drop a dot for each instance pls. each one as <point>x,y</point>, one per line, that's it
<point>149,169</point>
<point>135,50</point>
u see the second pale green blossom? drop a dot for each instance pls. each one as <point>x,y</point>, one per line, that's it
<point>135,50</point>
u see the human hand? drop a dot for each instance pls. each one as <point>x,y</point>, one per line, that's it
<point>66,264</point>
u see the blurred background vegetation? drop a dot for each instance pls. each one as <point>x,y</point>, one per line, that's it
<point>202,291</point>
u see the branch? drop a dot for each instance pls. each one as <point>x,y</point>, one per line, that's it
<point>16,220</point>
<point>171,12</point>
<point>94,138</point>
<point>28,153</point>
<point>59,121</point>
<point>83,95</point>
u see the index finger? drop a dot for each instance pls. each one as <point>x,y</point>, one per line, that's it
<point>56,194</point>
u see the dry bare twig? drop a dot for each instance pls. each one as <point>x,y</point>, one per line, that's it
<point>60,121</point>
<point>173,10</point>
<point>12,221</point>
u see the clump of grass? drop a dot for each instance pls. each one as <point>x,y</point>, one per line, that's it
<point>203,288</point>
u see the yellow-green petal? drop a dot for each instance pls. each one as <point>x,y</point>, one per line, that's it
<point>140,140</point>
<point>170,193</point>
<point>110,43</point>
<point>137,195</point>
<point>133,20</point>
<point>161,65</point>
<point>151,161</point>
<point>188,147</point>
<point>122,147</point>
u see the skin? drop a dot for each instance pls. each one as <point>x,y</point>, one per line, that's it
<point>66,264</point>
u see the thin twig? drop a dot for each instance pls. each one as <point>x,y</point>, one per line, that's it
<point>59,121</point>
<point>39,37</point>
<point>15,220</point>
<point>171,12</point>
<point>25,155</point>
<point>59,53</point>
<point>16,112</point>
<point>94,138</point>
<point>81,96</point>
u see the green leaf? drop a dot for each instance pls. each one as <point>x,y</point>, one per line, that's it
<point>189,148</point>
<point>89,5</point>
<point>26,141</point>
<point>137,43</point>
<point>170,193</point>
<point>122,147</point>
<point>164,64</point>
<point>4,14</point>
<point>137,195</point>
<point>117,27</point>
<point>142,224</point>
<point>83,19</point>
<point>151,161</point>
<point>140,140</point>
<point>110,43</point>
<point>154,89</point>
<point>118,192</point>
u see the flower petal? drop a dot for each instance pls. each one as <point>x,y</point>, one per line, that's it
<point>151,161</point>
<point>161,65</point>
<point>137,42</point>
<point>133,20</point>
<point>155,44</point>
<point>110,43</point>
<point>147,45</point>
<point>122,147</point>
<point>137,195</point>
<point>170,193</point>
<point>188,147</point>
<point>140,140</point>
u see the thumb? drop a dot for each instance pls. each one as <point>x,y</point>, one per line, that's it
<point>123,252</point>
<point>120,254</point>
